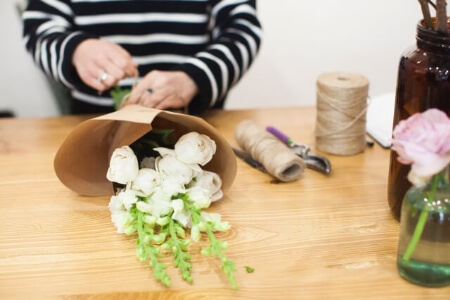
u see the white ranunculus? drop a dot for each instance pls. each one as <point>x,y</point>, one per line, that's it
<point>199,196</point>
<point>123,166</point>
<point>146,181</point>
<point>172,167</point>
<point>180,213</point>
<point>195,148</point>
<point>148,162</point>
<point>209,181</point>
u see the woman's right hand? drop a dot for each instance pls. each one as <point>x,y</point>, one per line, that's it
<point>101,64</point>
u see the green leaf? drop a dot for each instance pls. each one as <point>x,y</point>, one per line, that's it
<point>118,94</point>
<point>249,269</point>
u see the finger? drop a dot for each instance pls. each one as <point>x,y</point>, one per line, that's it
<point>135,95</point>
<point>115,74</point>
<point>123,60</point>
<point>97,84</point>
<point>138,91</point>
<point>91,77</point>
<point>152,99</point>
<point>171,102</point>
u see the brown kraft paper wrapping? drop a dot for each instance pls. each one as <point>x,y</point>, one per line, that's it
<point>83,158</point>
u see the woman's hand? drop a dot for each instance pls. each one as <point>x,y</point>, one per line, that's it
<point>164,89</point>
<point>101,64</point>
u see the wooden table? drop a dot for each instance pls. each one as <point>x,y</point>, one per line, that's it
<point>319,237</point>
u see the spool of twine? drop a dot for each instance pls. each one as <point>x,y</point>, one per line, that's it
<point>275,156</point>
<point>341,113</point>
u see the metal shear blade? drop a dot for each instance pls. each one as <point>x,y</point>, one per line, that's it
<point>313,161</point>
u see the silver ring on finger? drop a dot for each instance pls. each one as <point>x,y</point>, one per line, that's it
<point>102,78</point>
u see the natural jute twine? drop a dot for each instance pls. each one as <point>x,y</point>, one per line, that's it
<point>341,113</point>
<point>275,156</point>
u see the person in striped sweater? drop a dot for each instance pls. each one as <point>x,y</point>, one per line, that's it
<point>188,52</point>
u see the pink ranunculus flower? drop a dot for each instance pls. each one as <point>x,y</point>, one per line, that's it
<point>423,140</point>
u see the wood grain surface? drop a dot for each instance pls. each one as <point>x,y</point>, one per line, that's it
<point>317,238</point>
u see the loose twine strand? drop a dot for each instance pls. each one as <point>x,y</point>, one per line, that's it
<point>341,113</point>
<point>127,96</point>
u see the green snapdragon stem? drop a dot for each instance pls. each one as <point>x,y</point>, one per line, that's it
<point>421,223</point>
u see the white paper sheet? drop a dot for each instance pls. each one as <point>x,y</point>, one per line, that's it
<point>380,115</point>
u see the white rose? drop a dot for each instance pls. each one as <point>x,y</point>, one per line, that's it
<point>195,148</point>
<point>123,166</point>
<point>146,181</point>
<point>209,181</point>
<point>199,197</point>
<point>172,167</point>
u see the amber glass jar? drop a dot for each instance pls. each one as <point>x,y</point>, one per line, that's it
<point>423,82</point>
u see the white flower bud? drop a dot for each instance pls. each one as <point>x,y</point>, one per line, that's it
<point>128,198</point>
<point>119,219</point>
<point>150,220</point>
<point>180,214</point>
<point>199,197</point>
<point>144,207</point>
<point>123,166</point>
<point>195,233</point>
<point>116,204</point>
<point>163,221</point>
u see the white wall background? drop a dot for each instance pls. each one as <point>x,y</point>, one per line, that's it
<point>302,39</point>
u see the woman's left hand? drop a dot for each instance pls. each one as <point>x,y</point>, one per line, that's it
<point>163,90</point>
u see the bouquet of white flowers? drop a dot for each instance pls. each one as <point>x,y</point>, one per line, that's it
<point>163,199</point>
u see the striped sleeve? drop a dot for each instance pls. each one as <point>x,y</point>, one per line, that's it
<point>50,39</point>
<point>235,42</point>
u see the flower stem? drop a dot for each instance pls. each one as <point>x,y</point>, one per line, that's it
<point>150,252</point>
<point>421,222</point>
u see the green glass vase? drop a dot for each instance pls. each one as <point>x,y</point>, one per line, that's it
<point>424,243</point>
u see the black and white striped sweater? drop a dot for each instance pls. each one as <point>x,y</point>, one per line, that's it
<point>213,41</point>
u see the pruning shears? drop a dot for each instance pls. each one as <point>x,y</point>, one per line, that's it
<point>313,161</point>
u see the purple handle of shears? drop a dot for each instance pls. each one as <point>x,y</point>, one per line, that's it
<point>281,136</point>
